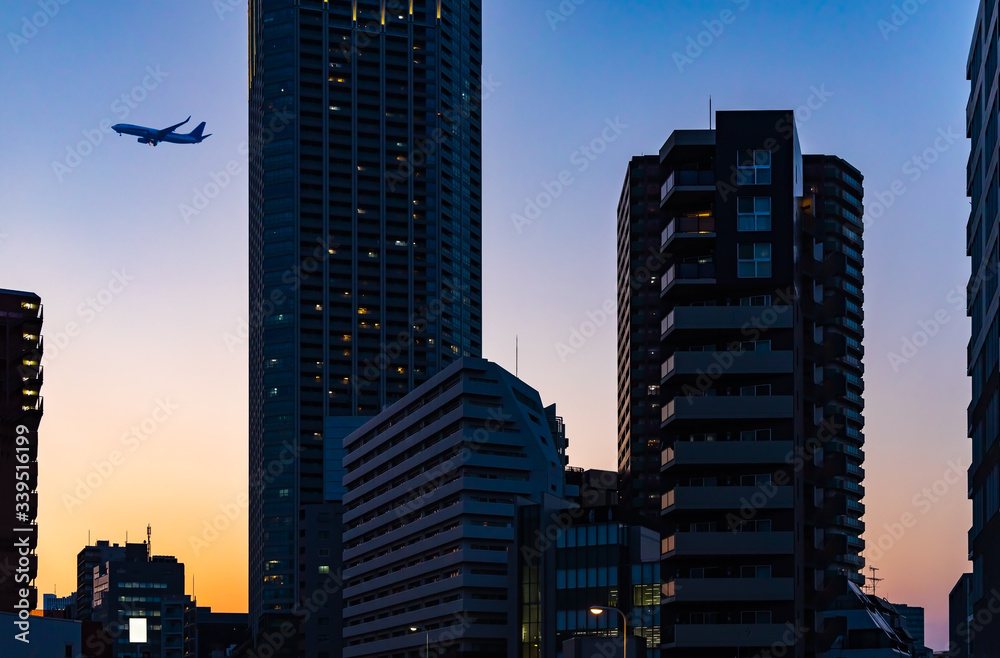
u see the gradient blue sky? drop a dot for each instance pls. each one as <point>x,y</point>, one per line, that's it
<point>173,333</point>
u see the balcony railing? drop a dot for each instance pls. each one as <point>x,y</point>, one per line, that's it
<point>687,272</point>
<point>688,226</point>
<point>687,177</point>
<point>667,367</point>
<point>667,322</point>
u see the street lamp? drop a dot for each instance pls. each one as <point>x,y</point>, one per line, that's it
<point>427,639</point>
<point>598,609</point>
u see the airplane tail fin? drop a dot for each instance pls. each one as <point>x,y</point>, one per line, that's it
<point>197,132</point>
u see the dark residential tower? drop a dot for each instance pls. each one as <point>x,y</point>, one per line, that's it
<point>982,247</point>
<point>365,256</point>
<point>760,382</point>
<point>20,414</point>
<point>639,268</point>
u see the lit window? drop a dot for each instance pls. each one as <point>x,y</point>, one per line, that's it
<point>753,261</point>
<point>753,213</point>
<point>324,569</point>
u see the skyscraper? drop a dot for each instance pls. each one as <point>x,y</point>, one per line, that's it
<point>639,265</point>
<point>981,243</point>
<point>365,247</point>
<point>20,414</point>
<point>758,359</point>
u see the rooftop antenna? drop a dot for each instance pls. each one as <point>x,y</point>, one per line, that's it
<point>873,580</point>
<point>149,543</point>
<point>515,355</point>
<point>710,111</point>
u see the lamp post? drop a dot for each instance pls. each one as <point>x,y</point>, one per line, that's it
<point>598,609</point>
<point>427,639</point>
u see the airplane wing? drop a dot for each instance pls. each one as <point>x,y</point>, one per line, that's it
<point>160,134</point>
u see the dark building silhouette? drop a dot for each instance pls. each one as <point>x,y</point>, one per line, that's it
<point>20,415</point>
<point>959,612</point>
<point>984,408</point>
<point>144,590</point>
<point>217,632</point>
<point>89,558</point>
<point>758,380</point>
<point>640,265</point>
<point>365,254</point>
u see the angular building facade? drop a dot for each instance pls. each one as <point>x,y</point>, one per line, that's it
<point>20,415</point>
<point>365,249</point>
<point>983,186</point>
<point>433,485</point>
<point>760,382</point>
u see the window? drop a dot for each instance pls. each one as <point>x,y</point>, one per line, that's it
<point>755,480</point>
<point>758,300</point>
<point>755,617</point>
<point>755,435</point>
<point>754,168</point>
<point>755,571</point>
<point>753,261</point>
<point>753,213</point>
<point>755,346</point>
<point>756,389</point>
<point>704,618</point>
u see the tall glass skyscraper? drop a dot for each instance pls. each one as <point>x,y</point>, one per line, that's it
<point>365,252</point>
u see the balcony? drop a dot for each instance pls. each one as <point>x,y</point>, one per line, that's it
<point>723,498</point>
<point>739,363</point>
<point>704,453</point>
<point>688,227</point>
<point>728,543</point>
<point>696,180</point>
<point>731,589</point>
<point>724,318</point>
<point>729,407</point>
<point>697,273</point>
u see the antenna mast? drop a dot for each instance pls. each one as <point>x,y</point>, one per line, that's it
<point>149,543</point>
<point>873,580</point>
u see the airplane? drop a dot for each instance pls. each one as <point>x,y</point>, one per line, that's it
<point>153,137</point>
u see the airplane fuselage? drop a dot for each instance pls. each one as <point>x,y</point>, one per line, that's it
<point>150,134</point>
<point>153,136</point>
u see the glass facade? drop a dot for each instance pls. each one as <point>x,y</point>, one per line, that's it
<point>593,559</point>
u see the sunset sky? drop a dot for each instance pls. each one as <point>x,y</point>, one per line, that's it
<point>145,302</point>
